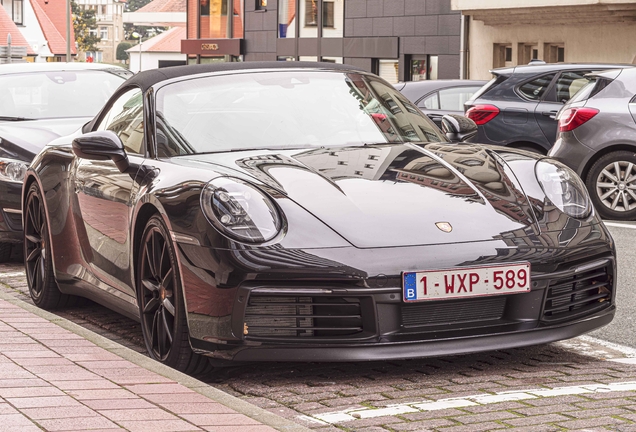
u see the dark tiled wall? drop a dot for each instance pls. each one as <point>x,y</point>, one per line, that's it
<point>260,32</point>
<point>423,26</point>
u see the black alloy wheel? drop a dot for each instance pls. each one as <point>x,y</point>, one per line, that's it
<point>5,252</point>
<point>37,256</point>
<point>612,185</point>
<point>160,299</point>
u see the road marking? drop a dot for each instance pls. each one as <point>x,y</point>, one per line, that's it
<point>478,399</point>
<point>623,349</point>
<point>619,225</point>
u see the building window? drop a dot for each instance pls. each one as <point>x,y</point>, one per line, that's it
<point>502,55</point>
<point>261,5</point>
<point>94,56</point>
<point>527,52</point>
<point>424,68</point>
<point>103,33</point>
<point>333,18</point>
<point>554,53</point>
<point>18,11</point>
<point>327,14</point>
<point>311,13</point>
<point>287,18</point>
<point>387,69</point>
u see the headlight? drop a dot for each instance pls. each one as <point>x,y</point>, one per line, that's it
<point>12,170</point>
<point>564,188</point>
<point>240,210</point>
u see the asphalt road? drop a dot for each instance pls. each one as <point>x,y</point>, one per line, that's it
<point>623,329</point>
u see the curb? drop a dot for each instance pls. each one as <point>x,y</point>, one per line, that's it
<point>239,405</point>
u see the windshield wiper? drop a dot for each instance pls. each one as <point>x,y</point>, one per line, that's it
<point>8,118</point>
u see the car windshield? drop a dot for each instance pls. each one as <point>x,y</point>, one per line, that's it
<point>55,94</point>
<point>289,109</point>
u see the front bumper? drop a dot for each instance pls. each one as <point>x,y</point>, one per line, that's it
<point>303,319</point>
<point>10,212</point>
<point>429,348</point>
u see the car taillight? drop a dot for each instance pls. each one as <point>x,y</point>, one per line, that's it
<point>572,118</point>
<point>482,114</point>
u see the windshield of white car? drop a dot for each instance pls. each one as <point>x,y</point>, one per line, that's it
<point>55,94</point>
<point>288,109</point>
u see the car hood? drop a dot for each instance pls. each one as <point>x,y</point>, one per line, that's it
<point>23,140</point>
<point>394,195</point>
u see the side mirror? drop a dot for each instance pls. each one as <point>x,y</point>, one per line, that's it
<point>101,145</point>
<point>458,128</point>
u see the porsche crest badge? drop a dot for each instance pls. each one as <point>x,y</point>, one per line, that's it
<point>444,226</point>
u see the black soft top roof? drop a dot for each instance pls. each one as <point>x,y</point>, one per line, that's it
<point>147,79</point>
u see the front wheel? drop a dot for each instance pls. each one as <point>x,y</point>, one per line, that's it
<point>37,256</point>
<point>612,185</point>
<point>161,306</point>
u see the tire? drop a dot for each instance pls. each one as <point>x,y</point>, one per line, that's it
<point>37,252</point>
<point>612,185</point>
<point>161,306</point>
<point>5,252</point>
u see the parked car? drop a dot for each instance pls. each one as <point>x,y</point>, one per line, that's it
<point>38,103</point>
<point>437,98</point>
<point>597,139</point>
<point>518,106</point>
<point>289,211</point>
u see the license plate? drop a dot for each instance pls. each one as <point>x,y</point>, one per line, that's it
<point>466,282</point>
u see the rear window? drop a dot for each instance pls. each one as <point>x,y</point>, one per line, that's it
<point>535,89</point>
<point>496,79</point>
<point>591,89</point>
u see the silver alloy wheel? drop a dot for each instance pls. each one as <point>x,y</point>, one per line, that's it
<point>616,186</point>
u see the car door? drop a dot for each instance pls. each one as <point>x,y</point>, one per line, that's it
<point>446,101</point>
<point>105,195</point>
<point>566,85</point>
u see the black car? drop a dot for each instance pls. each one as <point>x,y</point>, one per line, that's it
<point>436,98</point>
<point>237,220</point>
<point>38,103</point>
<point>518,107</point>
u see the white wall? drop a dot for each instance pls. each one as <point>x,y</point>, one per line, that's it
<point>150,60</point>
<point>600,43</point>
<point>32,32</point>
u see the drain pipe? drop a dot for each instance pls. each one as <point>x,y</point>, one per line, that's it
<point>463,47</point>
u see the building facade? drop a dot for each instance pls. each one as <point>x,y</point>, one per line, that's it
<point>506,33</point>
<point>110,28</point>
<point>398,39</point>
<point>38,24</point>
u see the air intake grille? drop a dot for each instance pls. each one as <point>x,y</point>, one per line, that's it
<point>302,317</point>
<point>453,312</point>
<point>578,295</point>
<point>14,220</point>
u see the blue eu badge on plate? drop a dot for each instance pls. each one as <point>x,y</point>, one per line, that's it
<point>410,286</point>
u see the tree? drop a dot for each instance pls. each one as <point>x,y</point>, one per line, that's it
<point>129,29</point>
<point>83,22</point>
<point>121,50</point>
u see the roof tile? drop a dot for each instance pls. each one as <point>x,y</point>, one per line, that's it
<point>164,6</point>
<point>51,15</point>
<point>8,26</point>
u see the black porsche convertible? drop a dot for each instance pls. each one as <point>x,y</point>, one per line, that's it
<point>309,212</point>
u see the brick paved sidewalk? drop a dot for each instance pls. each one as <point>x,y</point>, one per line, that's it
<point>57,376</point>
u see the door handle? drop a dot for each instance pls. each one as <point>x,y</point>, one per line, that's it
<point>551,114</point>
